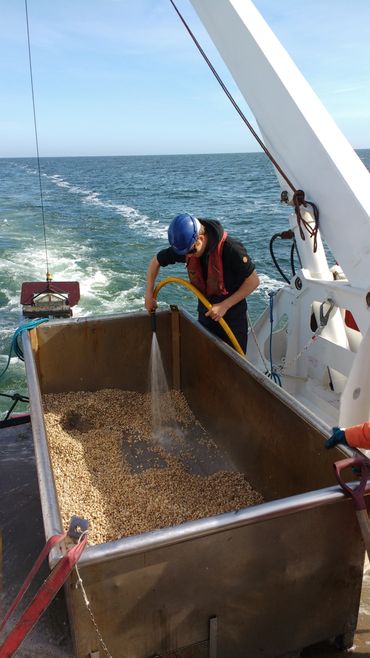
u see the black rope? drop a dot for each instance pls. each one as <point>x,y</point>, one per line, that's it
<point>232,100</point>
<point>16,397</point>
<point>36,137</point>
<point>297,252</point>
<point>292,250</point>
<point>285,235</point>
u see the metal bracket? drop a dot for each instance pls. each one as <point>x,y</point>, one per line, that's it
<point>284,197</point>
<point>324,317</point>
<point>77,527</point>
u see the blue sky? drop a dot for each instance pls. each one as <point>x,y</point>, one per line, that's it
<point>122,77</point>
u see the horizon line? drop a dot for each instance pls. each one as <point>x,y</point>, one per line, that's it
<point>145,155</point>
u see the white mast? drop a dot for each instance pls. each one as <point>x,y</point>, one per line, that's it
<point>296,129</point>
<point>316,157</point>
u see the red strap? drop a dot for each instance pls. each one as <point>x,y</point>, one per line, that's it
<point>43,596</point>
<point>356,493</point>
<point>44,553</point>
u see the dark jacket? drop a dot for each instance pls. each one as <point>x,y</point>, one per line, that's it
<point>237,266</point>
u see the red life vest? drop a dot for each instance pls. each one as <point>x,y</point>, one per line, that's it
<point>215,274</point>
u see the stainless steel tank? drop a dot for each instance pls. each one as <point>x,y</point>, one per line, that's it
<point>262,581</point>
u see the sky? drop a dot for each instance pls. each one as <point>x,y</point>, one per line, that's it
<point>122,77</point>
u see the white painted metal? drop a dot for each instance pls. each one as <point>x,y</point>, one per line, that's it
<point>297,129</point>
<point>314,261</point>
<point>316,157</point>
<point>355,398</point>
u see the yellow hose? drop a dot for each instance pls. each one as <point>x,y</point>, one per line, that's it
<point>205,302</point>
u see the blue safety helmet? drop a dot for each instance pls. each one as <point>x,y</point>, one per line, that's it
<point>182,233</point>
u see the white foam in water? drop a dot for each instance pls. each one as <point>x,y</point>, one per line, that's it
<point>76,262</point>
<point>97,280</point>
<point>30,260</point>
<point>134,219</point>
<point>267,284</point>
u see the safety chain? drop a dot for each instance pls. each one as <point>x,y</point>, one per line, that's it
<point>88,606</point>
<point>323,322</point>
<point>282,367</point>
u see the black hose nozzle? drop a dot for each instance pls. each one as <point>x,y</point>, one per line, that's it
<point>153,319</point>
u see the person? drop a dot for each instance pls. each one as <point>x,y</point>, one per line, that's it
<point>218,265</point>
<point>357,436</point>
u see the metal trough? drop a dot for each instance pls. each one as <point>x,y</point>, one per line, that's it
<point>262,581</point>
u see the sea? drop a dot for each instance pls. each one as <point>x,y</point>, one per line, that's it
<point>101,220</point>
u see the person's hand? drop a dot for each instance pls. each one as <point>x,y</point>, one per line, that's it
<point>338,436</point>
<point>217,311</point>
<point>150,303</point>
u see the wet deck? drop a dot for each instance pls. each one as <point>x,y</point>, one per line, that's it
<point>22,535</point>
